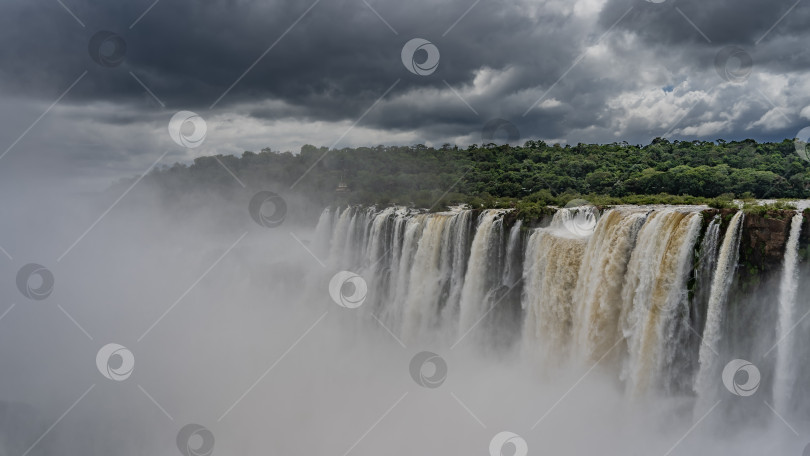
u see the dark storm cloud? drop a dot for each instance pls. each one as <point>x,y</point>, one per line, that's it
<point>723,22</point>
<point>773,32</point>
<point>334,63</point>
<point>188,53</point>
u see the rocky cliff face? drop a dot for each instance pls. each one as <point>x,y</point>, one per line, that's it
<point>762,246</point>
<point>764,237</point>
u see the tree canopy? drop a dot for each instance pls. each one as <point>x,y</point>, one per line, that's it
<point>435,177</point>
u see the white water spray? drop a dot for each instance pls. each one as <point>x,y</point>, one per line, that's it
<point>706,381</point>
<point>785,375</point>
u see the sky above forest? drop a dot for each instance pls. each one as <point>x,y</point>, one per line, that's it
<point>89,88</point>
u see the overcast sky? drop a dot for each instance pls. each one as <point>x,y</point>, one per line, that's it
<point>280,74</point>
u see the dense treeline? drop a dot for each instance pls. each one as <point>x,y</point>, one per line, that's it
<point>535,172</point>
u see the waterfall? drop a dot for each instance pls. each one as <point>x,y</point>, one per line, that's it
<point>412,231</point>
<point>511,270</point>
<point>578,221</point>
<point>460,240</point>
<point>339,241</point>
<point>599,286</point>
<point>654,295</point>
<point>377,267</point>
<point>484,258</point>
<point>431,275</point>
<point>708,375</point>
<point>323,233</point>
<point>551,269</point>
<point>785,373</point>
<point>707,263</point>
<point>413,262</point>
<point>630,288</point>
<point>378,241</point>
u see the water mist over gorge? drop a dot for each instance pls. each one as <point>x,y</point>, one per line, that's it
<point>587,319</point>
<point>589,331</point>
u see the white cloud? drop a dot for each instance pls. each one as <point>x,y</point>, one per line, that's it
<point>772,120</point>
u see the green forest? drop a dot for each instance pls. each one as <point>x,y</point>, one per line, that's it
<point>490,175</point>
